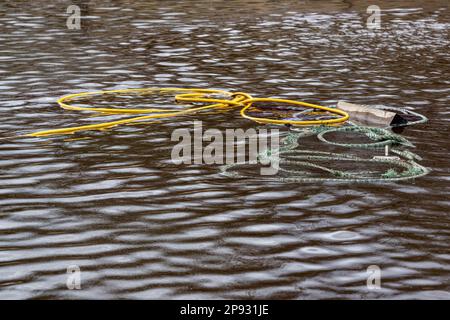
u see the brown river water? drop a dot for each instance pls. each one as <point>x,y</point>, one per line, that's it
<point>138,226</point>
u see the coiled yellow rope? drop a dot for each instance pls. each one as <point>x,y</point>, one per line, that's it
<point>237,99</point>
<point>287,154</point>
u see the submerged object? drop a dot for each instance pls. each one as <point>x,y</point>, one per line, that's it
<point>369,115</point>
<point>377,123</point>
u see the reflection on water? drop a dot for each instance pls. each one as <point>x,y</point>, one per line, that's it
<point>140,227</point>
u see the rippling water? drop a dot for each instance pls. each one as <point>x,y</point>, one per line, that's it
<point>138,226</point>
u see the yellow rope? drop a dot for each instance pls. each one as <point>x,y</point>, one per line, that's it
<point>248,103</point>
<point>237,99</point>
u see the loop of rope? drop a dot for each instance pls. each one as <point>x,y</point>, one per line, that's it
<point>287,153</point>
<point>401,168</point>
<point>214,98</point>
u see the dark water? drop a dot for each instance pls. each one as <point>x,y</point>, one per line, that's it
<point>140,227</point>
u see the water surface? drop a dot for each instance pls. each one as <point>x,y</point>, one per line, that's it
<point>138,226</point>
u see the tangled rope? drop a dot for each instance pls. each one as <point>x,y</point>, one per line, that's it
<point>215,99</point>
<point>315,120</point>
<point>289,155</point>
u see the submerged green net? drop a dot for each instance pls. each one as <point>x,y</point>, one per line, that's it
<point>296,164</point>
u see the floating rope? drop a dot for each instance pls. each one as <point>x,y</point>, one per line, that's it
<point>313,120</point>
<point>401,168</point>
<point>238,99</point>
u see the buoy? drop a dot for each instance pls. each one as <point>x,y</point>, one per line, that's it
<point>368,115</point>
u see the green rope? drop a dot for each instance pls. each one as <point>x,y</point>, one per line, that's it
<point>382,137</point>
<point>401,167</point>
